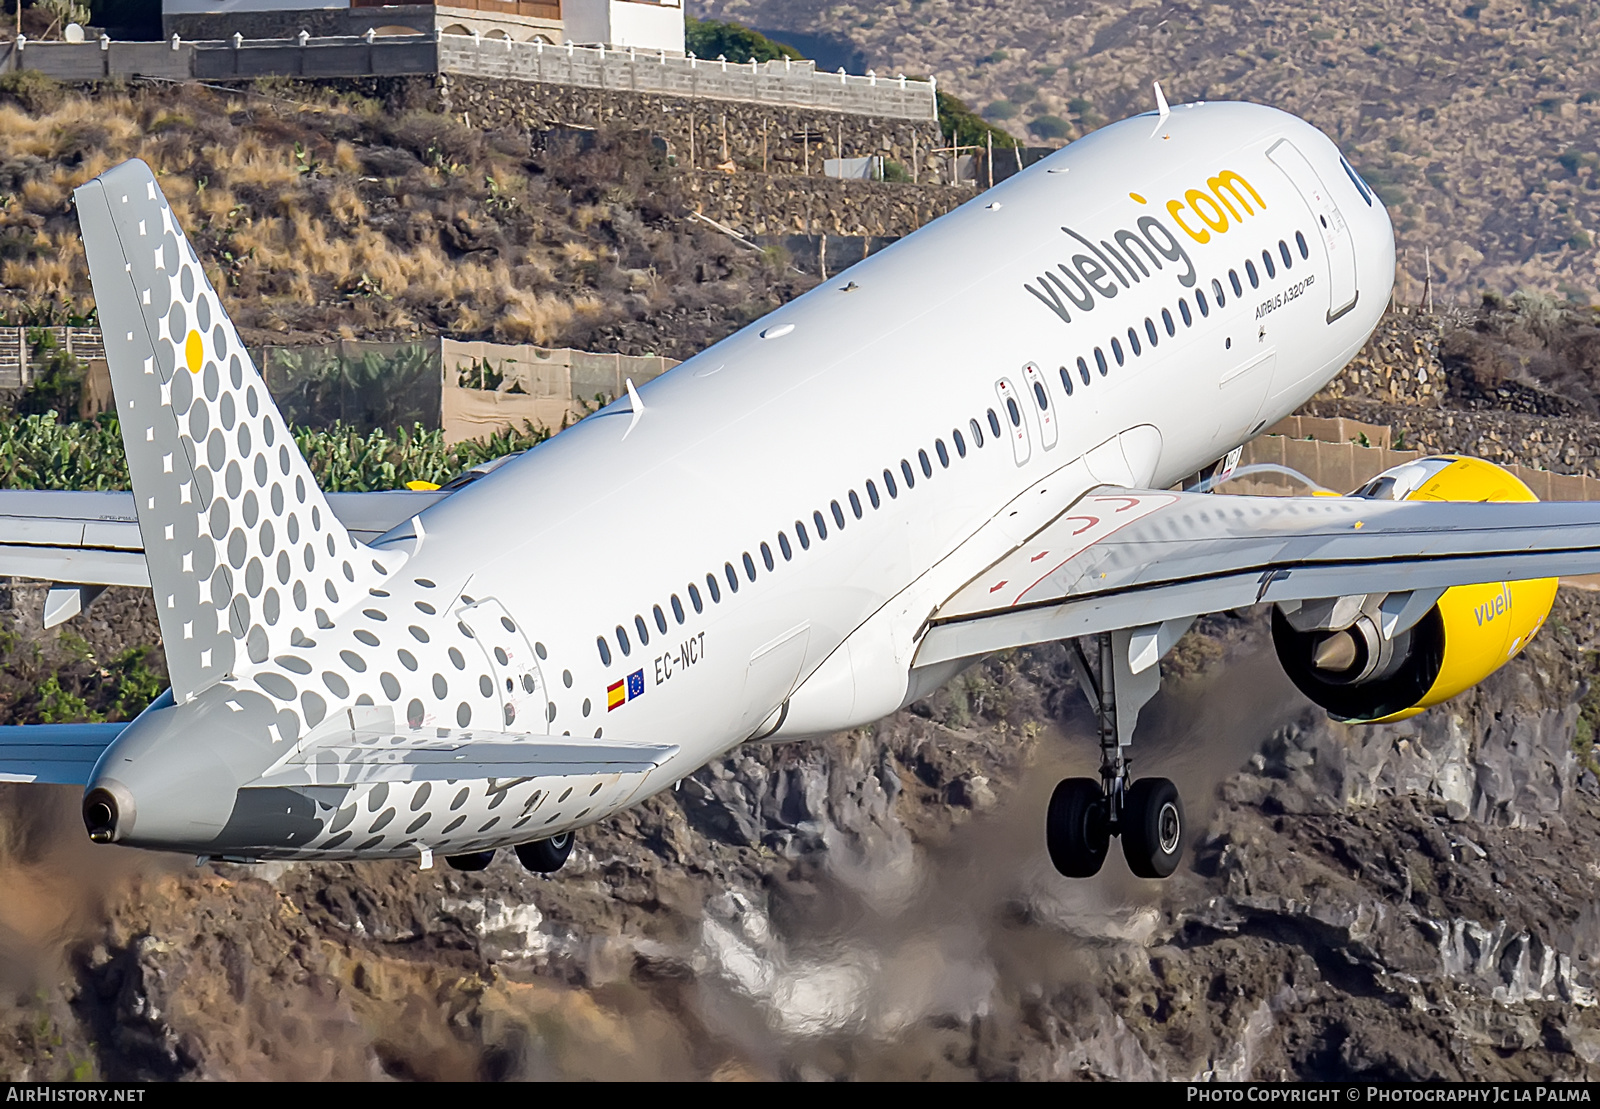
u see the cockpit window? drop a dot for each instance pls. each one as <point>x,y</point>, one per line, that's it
<point>1355,179</point>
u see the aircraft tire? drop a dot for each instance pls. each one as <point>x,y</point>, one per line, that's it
<point>1152,828</point>
<point>477,860</point>
<point>1076,830</point>
<point>546,856</point>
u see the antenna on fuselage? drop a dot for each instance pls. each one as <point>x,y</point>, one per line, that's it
<point>636,405</point>
<point>1163,110</point>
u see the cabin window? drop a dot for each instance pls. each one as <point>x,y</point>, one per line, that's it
<point>1116,351</point>
<point>1283,252</point>
<point>661,619</point>
<point>784,547</point>
<point>960,441</point>
<point>1250,272</point>
<point>1216,289</point>
<point>1150,331</point>
<point>1266,260</point>
<point>716,590</point>
<point>838,515</point>
<point>1183,310</point>
<point>1041,396</point>
<point>1233,279</point>
<point>644,632</point>
<point>766,557</point>
<point>977,433</point>
<point>872,494</point>
<point>694,598</point>
<point>677,609</point>
<point>927,466</point>
<point>732,577</point>
<point>622,641</point>
<point>855,504</point>
<point>1133,342</point>
<point>994,423</point>
<point>805,540</point>
<point>1300,241</point>
<point>1166,321</point>
<point>1066,378</point>
<point>605,651</point>
<point>1100,361</point>
<point>888,483</point>
<point>749,566</point>
<point>821,525</point>
<point>944,455</point>
<point>905,472</point>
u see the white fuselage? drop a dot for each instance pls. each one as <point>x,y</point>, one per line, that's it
<point>751,548</point>
<point>744,447</point>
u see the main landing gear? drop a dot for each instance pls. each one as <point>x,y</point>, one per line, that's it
<point>542,856</point>
<point>1147,814</point>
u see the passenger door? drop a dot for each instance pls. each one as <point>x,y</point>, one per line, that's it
<point>1334,233</point>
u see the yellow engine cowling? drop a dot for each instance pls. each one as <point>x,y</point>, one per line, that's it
<point>1470,633</point>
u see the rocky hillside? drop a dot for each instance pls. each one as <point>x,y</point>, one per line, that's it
<point>1405,901</point>
<point>1475,121</point>
<point>359,211</point>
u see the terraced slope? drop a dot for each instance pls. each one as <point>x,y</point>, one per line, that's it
<point>1476,121</point>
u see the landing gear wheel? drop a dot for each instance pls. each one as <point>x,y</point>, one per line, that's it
<point>1076,830</point>
<point>1152,828</point>
<point>477,860</point>
<point>545,856</point>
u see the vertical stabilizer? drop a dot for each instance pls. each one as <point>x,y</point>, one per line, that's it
<point>244,555</point>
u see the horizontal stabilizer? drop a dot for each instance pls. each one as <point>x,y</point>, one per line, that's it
<point>92,537</point>
<point>53,754</point>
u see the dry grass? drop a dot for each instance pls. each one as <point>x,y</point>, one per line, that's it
<point>339,217</point>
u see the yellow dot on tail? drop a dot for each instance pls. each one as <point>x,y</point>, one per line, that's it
<point>193,354</point>
<point>1136,198</point>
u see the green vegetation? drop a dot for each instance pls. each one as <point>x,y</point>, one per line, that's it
<point>1583,736</point>
<point>709,38</point>
<point>46,452</point>
<point>968,128</point>
<point>58,387</point>
<point>1050,127</point>
<point>1000,109</point>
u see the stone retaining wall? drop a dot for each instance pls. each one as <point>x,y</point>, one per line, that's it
<point>700,133</point>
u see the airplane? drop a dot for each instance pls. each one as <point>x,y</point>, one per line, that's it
<point>999,431</point>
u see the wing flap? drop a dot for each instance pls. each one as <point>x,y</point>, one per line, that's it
<point>55,754</point>
<point>1123,558</point>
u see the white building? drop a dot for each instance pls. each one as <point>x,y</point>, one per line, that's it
<point>641,24</point>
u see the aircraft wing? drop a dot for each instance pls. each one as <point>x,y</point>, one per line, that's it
<point>378,750</point>
<point>1124,558</point>
<point>53,754</point>
<point>92,538</point>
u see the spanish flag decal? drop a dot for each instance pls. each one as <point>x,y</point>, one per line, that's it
<point>616,696</point>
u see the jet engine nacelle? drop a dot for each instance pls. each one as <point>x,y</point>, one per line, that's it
<point>1372,658</point>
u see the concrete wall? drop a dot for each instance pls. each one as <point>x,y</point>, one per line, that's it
<point>383,57</point>
<point>539,386</point>
<point>87,61</point>
<point>780,82</point>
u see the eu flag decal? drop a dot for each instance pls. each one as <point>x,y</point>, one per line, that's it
<point>635,684</point>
